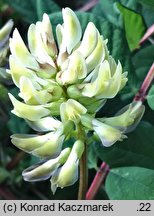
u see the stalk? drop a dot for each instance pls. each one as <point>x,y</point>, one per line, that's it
<point>83,180</point>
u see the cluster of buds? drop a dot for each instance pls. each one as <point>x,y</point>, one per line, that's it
<point>63,84</point>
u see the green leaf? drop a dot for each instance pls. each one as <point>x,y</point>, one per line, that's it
<point>32,10</point>
<point>17,125</point>
<point>46,6</point>
<point>92,157</point>
<point>137,150</point>
<point>4,174</point>
<point>27,9</point>
<point>130,183</point>
<point>147,13</point>
<point>3,94</point>
<point>108,10</point>
<point>134,26</point>
<point>145,2</point>
<point>150,97</point>
<point>142,61</point>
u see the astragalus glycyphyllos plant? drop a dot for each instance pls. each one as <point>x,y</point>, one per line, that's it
<point>63,83</point>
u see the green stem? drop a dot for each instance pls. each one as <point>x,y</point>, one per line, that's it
<point>83,181</point>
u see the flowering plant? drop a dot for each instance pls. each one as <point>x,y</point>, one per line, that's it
<point>63,83</point>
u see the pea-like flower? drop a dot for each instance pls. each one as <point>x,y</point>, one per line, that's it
<point>63,82</point>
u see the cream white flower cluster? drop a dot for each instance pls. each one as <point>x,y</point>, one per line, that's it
<point>62,85</point>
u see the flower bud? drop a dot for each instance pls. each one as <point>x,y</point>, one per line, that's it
<point>44,124</point>
<point>47,36</point>
<point>59,34</point>
<point>20,51</point>
<point>47,145</point>
<point>89,40</point>
<point>76,70</point>
<point>36,45</point>
<point>107,134</point>
<point>44,170</point>
<point>31,95</point>
<point>17,70</point>
<point>72,29</point>
<point>30,112</point>
<point>68,173</point>
<point>105,82</point>
<point>97,55</point>
<point>71,110</point>
<point>5,32</point>
<point>128,117</point>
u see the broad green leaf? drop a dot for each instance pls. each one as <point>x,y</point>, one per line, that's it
<point>147,2</point>
<point>147,13</point>
<point>46,6</point>
<point>4,174</point>
<point>27,9</point>
<point>134,26</point>
<point>108,10</point>
<point>137,150</point>
<point>150,97</point>
<point>130,183</point>
<point>32,10</point>
<point>142,61</point>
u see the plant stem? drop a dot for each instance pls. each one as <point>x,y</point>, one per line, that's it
<point>88,5</point>
<point>6,194</point>
<point>83,182</point>
<point>97,181</point>
<point>18,157</point>
<point>141,94</point>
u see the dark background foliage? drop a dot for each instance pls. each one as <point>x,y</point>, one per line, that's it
<point>131,161</point>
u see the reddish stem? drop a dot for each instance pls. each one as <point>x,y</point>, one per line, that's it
<point>148,34</point>
<point>18,157</point>
<point>89,5</point>
<point>141,95</point>
<point>6,194</point>
<point>97,182</point>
